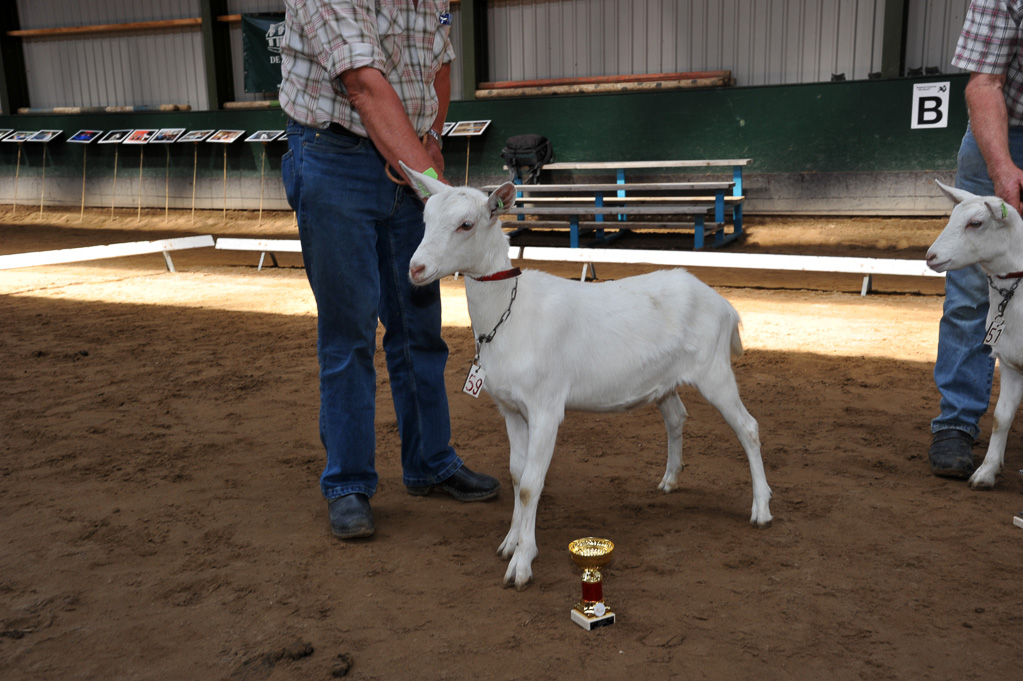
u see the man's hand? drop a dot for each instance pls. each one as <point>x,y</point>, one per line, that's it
<point>989,119</point>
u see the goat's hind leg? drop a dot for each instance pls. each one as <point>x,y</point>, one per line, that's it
<point>719,388</point>
<point>1009,396</point>
<point>675,414</point>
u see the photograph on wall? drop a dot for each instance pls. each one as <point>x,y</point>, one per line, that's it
<point>447,127</point>
<point>195,136</point>
<point>85,136</point>
<point>468,128</point>
<point>226,136</point>
<point>4,133</point>
<point>264,136</point>
<point>167,135</point>
<point>140,137</point>
<point>115,136</point>
<point>45,136</point>
<point>20,136</point>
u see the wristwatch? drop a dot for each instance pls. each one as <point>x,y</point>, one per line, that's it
<point>436,135</point>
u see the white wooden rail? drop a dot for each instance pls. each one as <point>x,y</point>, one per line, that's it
<point>69,255</point>
<point>755,261</point>
<point>867,267</point>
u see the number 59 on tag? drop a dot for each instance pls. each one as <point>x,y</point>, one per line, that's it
<point>474,381</point>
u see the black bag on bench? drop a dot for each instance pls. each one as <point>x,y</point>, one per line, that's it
<point>527,151</point>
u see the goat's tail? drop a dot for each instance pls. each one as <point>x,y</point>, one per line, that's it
<point>737,349</point>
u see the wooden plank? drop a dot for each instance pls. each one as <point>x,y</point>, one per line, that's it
<point>599,88</point>
<point>611,210</point>
<point>69,255</point>
<point>105,28</point>
<point>513,225</point>
<point>627,199</point>
<point>609,187</point>
<point>626,165</point>
<point>648,77</point>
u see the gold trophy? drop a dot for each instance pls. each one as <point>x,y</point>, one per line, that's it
<point>591,554</point>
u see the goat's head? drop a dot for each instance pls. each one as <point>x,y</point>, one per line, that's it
<point>463,233</point>
<point>981,230</point>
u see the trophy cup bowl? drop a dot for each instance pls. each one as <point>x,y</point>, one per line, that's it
<point>591,554</point>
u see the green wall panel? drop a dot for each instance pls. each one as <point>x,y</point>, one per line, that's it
<point>850,127</point>
<point>857,126</point>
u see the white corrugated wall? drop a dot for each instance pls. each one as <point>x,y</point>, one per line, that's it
<point>933,28</point>
<point>763,42</point>
<point>113,69</point>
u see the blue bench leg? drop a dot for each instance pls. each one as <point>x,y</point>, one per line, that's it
<point>573,238</point>
<point>698,236</point>
<point>737,220</point>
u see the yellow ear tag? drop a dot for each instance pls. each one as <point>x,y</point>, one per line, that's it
<point>1005,211</point>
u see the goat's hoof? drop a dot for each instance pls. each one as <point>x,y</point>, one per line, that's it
<point>760,524</point>
<point>519,584</point>
<point>667,487</point>
<point>982,482</point>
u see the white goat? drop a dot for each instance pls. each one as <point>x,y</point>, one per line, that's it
<point>552,344</point>
<point>988,232</point>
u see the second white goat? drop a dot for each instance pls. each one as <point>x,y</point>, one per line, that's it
<point>549,344</point>
<point>988,232</point>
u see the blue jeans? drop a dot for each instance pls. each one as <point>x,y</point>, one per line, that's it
<point>359,231</point>
<point>964,368</point>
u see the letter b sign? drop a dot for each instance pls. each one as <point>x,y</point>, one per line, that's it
<point>930,105</point>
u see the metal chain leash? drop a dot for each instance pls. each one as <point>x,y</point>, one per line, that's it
<point>486,338</point>
<point>1006,294</point>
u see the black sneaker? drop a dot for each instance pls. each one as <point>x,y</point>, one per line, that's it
<point>951,454</point>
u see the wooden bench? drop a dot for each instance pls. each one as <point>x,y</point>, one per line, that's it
<point>573,215</point>
<point>622,199</point>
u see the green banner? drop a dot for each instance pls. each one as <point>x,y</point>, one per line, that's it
<point>262,35</point>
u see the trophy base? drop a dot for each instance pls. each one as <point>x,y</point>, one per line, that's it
<point>591,623</point>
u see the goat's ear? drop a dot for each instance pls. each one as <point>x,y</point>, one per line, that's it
<point>957,195</point>
<point>999,209</point>
<point>424,185</point>
<point>502,199</point>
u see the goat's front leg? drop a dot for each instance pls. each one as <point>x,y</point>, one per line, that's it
<point>675,414</point>
<point>1009,396</point>
<point>543,432</point>
<point>518,439</point>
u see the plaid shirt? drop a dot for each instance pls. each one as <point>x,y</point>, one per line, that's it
<point>991,42</point>
<point>325,38</point>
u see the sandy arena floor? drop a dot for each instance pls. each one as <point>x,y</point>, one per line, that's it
<point>160,516</point>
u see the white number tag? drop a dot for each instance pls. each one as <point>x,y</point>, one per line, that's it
<point>994,332</point>
<point>474,381</point>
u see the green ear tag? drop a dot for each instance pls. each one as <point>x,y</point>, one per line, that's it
<point>423,191</point>
<point>430,172</point>
<point>1005,211</point>
<point>500,203</point>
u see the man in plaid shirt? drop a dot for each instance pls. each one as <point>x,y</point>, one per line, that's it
<point>989,162</point>
<point>363,82</point>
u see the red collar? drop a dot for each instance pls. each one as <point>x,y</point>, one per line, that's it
<point>1010,275</point>
<point>514,272</point>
